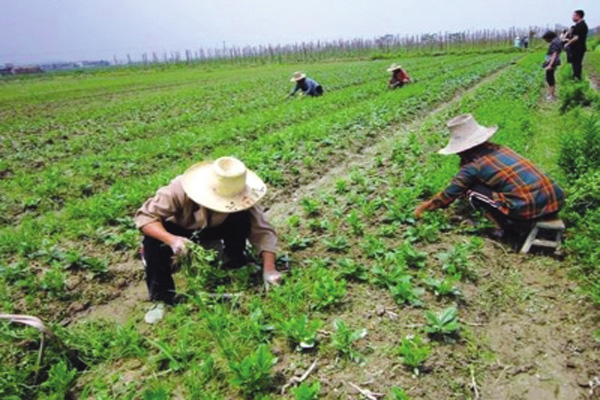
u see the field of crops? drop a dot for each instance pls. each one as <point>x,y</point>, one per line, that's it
<point>375,303</point>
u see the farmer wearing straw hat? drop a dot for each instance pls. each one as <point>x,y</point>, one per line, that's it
<point>210,201</point>
<point>510,190</point>
<point>399,76</point>
<point>308,86</point>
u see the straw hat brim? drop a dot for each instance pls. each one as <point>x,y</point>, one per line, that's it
<point>394,69</point>
<point>197,184</point>
<point>296,79</point>
<point>481,136</point>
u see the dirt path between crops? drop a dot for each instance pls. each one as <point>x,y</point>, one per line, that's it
<point>130,301</point>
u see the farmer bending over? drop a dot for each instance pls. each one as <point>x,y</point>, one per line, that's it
<point>509,189</point>
<point>399,77</point>
<point>210,201</point>
<point>308,86</point>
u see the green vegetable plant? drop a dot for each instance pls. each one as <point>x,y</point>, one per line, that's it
<point>456,261</point>
<point>443,324</point>
<point>444,287</point>
<point>414,352</point>
<point>404,292</point>
<point>252,375</point>
<point>327,290</point>
<point>300,332</point>
<point>344,340</point>
<point>397,394</point>
<point>353,270</point>
<point>306,391</point>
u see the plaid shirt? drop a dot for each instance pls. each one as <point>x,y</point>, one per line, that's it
<point>521,190</point>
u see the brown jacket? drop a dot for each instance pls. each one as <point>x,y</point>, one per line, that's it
<point>172,204</point>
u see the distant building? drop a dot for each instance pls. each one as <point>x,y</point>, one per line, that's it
<point>12,70</point>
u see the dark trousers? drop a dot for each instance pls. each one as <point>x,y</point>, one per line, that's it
<point>577,64</point>
<point>481,197</point>
<point>158,257</point>
<point>550,79</point>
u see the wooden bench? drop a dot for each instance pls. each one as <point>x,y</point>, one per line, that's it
<point>552,228</point>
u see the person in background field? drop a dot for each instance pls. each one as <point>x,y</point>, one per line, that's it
<point>576,45</point>
<point>308,86</point>
<point>517,42</point>
<point>399,77</point>
<point>526,42</point>
<point>209,202</point>
<point>511,191</point>
<point>552,62</point>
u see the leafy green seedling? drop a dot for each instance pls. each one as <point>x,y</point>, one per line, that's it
<point>337,244</point>
<point>311,206</point>
<point>404,292</point>
<point>414,352</point>
<point>373,247</point>
<point>413,257</point>
<point>253,373</point>
<point>456,261</point>
<point>319,225</point>
<point>301,332</point>
<point>344,339</point>
<point>351,269</point>
<point>355,223</point>
<point>341,186</point>
<point>442,324</point>
<point>444,287</point>
<point>398,394</point>
<point>299,242</point>
<point>307,392</point>
<point>328,291</point>
<point>294,221</point>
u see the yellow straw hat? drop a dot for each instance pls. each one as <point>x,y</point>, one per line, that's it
<point>298,76</point>
<point>466,133</point>
<point>225,185</point>
<point>394,67</point>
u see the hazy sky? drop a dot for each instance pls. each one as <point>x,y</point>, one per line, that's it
<point>34,30</point>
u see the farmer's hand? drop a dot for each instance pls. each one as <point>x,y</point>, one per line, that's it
<point>424,206</point>
<point>179,245</point>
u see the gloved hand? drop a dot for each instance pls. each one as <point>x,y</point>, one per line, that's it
<point>179,245</point>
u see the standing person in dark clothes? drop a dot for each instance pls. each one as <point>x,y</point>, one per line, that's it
<point>399,76</point>
<point>576,45</point>
<point>511,191</point>
<point>552,61</point>
<point>308,86</point>
<point>210,201</point>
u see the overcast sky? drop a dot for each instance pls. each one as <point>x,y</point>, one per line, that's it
<point>41,30</point>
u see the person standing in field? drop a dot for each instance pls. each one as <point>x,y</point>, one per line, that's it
<point>510,190</point>
<point>552,62</point>
<point>576,45</point>
<point>308,86</point>
<point>399,76</point>
<point>211,201</point>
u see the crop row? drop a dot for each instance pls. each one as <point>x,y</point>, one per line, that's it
<point>96,167</point>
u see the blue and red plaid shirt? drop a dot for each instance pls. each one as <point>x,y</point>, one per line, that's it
<point>521,190</point>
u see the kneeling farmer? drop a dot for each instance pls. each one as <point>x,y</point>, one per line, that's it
<point>511,191</point>
<point>210,201</point>
<point>308,86</point>
<point>399,76</point>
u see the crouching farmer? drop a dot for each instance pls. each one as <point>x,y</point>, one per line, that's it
<point>308,86</point>
<point>509,189</point>
<point>210,201</point>
<point>399,77</point>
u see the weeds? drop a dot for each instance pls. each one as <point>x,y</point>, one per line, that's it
<point>306,391</point>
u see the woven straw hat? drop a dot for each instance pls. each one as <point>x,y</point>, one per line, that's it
<point>466,133</point>
<point>298,76</point>
<point>225,185</point>
<point>394,67</point>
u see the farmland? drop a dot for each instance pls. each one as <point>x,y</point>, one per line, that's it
<point>374,299</point>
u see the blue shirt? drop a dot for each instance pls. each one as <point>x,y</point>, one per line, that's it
<point>309,89</point>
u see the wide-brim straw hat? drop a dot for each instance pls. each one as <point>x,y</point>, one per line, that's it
<point>466,133</point>
<point>225,185</point>
<point>298,76</point>
<point>394,67</point>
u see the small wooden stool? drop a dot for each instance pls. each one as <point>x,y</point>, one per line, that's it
<point>551,228</point>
